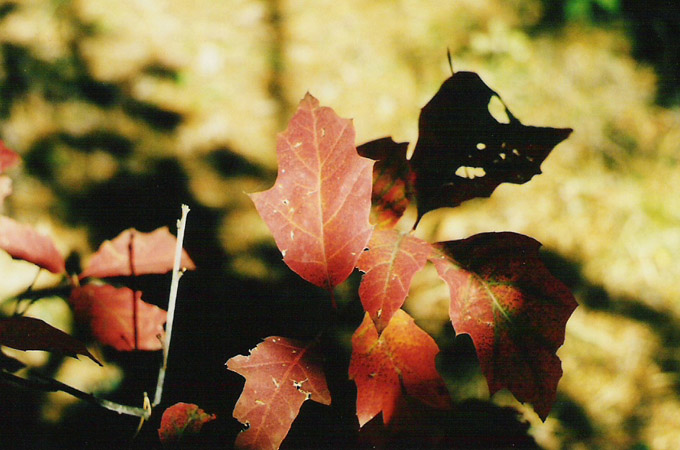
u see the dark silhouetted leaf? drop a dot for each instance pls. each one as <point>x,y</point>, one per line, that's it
<point>503,296</point>
<point>319,207</point>
<point>110,312</point>
<point>24,242</point>
<point>28,333</point>
<point>135,253</point>
<point>182,419</point>
<point>392,180</point>
<point>399,360</point>
<point>280,375</point>
<point>390,262</point>
<point>463,152</point>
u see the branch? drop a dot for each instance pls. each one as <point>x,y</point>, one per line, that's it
<point>172,300</point>
<point>47,384</point>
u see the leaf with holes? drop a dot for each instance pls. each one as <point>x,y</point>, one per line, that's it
<point>392,180</point>
<point>389,264</point>
<point>24,242</point>
<point>182,420</point>
<point>504,297</point>
<point>280,375</point>
<point>119,317</point>
<point>319,207</point>
<point>28,333</point>
<point>133,252</point>
<point>463,152</point>
<point>8,158</point>
<point>401,358</point>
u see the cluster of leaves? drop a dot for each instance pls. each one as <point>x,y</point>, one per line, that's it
<point>334,207</point>
<point>116,316</point>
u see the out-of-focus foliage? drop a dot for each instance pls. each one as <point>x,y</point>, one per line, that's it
<point>123,110</point>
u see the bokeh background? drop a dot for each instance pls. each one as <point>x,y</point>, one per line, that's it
<point>124,110</point>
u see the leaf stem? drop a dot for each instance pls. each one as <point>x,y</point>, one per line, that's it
<point>47,384</point>
<point>172,300</point>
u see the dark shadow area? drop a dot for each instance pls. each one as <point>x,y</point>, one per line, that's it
<point>664,323</point>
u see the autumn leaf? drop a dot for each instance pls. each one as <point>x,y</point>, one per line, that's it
<point>399,360</point>
<point>24,242</point>
<point>119,317</point>
<point>8,158</point>
<point>280,375</point>
<point>319,206</point>
<point>182,419</point>
<point>28,333</point>
<point>392,180</point>
<point>133,252</point>
<point>463,152</point>
<point>389,264</point>
<point>504,297</point>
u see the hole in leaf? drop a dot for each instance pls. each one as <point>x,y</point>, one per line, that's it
<point>498,110</point>
<point>470,172</point>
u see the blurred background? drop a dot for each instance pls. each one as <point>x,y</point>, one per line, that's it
<point>124,110</point>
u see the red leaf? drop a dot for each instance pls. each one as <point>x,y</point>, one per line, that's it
<point>399,359</point>
<point>390,262</point>
<point>392,180</point>
<point>463,152</point>
<point>318,209</point>
<point>111,315</point>
<point>181,419</point>
<point>28,333</point>
<point>133,252</point>
<point>8,158</point>
<point>23,242</point>
<point>280,375</point>
<point>503,296</point>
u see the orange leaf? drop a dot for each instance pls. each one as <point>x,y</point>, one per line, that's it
<point>133,252</point>
<point>280,375</point>
<point>392,180</point>
<point>400,359</point>
<point>318,209</point>
<point>112,318</point>
<point>182,419</point>
<point>8,158</point>
<point>24,242</point>
<point>390,262</point>
<point>503,296</point>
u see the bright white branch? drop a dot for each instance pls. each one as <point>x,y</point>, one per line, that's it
<point>172,300</point>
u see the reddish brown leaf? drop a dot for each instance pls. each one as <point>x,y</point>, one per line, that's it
<point>110,312</point>
<point>463,152</point>
<point>400,359</point>
<point>392,180</point>
<point>503,296</point>
<point>133,252</point>
<point>182,419</point>
<point>8,158</point>
<point>280,375</point>
<point>28,333</point>
<point>24,242</point>
<point>319,207</point>
<point>389,264</point>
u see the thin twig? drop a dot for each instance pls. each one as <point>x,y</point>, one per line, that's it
<point>172,300</point>
<point>47,384</point>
